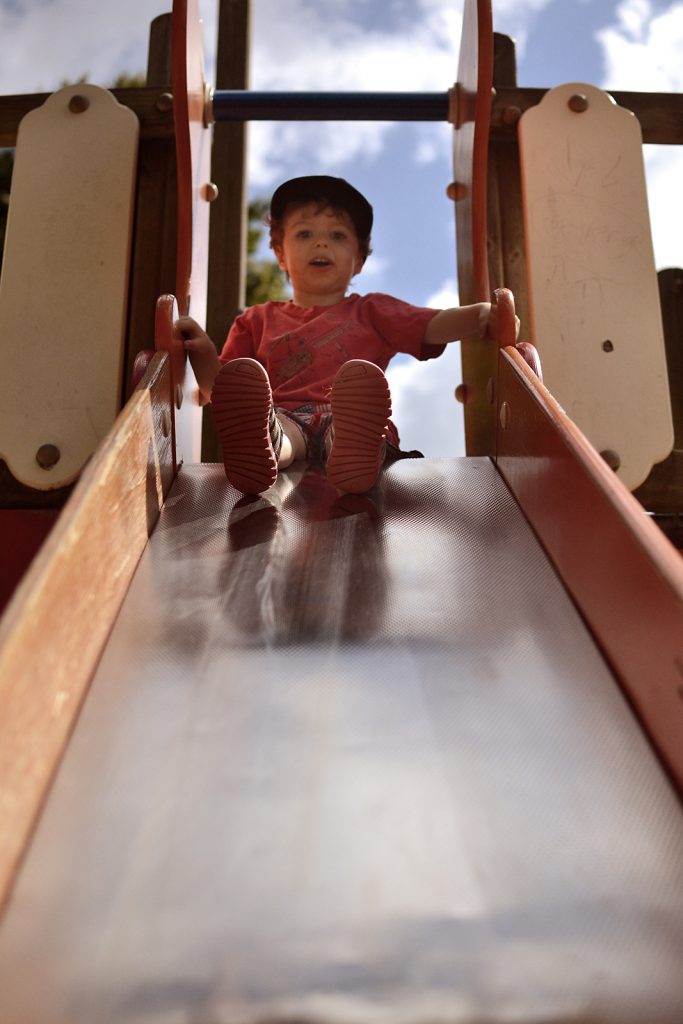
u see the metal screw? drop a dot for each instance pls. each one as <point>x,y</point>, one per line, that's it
<point>607,346</point>
<point>165,423</point>
<point>164,102</point>
<point>78,103</point>
<point>490,391</point>
<point>612,458</point>
<point>578,103</point>
<point>504,415</point>
<point>48,455</point>
<point>178,396</point>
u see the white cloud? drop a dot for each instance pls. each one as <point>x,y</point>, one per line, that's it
<point>645,53</point>
<point>424,407</point>
<point>516,18</point>
<point>664,173</point>
<point>425,411</point>
<point>633,17</point>
<point>44,43</point>
<point>445,296</point>
<point>416,53</point>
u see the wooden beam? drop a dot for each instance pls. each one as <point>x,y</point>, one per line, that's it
<point>153,259</point>
<point>54,630</point>
<point>151,105</point>
<point>228,231</point>
<point>662,492</point>
<point>660,114</point>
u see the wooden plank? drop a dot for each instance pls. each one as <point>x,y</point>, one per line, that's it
<point>660,114</point>
<point>228,220</point>
<point>507,255</point>
<point>624,575</point>
<point>54,629</point>
<point>662,492</point>
<point>150,105</point>
<point>154,243</point>
<point>470,153</point>
<point>193,155</point>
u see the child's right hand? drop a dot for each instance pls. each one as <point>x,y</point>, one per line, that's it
<point>202,353</point>
<point>194,338</point>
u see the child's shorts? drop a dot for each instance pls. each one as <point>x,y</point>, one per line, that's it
<point>314,420</point>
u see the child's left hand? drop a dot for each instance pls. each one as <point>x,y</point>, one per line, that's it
<point>489,321</point>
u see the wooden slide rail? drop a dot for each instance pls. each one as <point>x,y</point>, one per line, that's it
<point>622,573</point>
<point>55,627</point>
<point>624,576</point>
<point>54,630</point>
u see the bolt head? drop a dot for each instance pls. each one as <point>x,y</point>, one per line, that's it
<point>47,456</point>
<point>578,103</point>
<point>164,102</point>
<point>612,458</point>
<point>511,115</point>
<point>78,104</point>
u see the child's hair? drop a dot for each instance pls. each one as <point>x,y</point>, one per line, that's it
<point>327,193</point>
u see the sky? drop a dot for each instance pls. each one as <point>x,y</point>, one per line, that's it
<point>403,169</point>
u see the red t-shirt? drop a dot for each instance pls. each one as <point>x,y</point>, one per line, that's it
<point>302,347</point>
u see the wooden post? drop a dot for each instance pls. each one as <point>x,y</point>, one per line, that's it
<point>662,492</point>
<point>228,232</point>
<point>507,260</point>
<point>153,263</point>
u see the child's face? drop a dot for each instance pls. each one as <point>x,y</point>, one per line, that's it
<point>320,252</point>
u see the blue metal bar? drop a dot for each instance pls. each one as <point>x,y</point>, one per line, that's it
<point>240,105</point>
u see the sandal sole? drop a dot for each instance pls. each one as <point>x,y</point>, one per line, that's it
<point>361,407</point>
<point>241,401</point>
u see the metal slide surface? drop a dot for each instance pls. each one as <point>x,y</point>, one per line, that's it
<point>350,761</point>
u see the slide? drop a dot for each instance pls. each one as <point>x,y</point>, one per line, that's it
<point>350,758</point>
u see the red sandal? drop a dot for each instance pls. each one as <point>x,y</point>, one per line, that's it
<point>361,407</point>
<point>249,430</point>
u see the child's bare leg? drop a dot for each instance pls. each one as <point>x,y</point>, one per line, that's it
<point>293,443</point>
<point>361,407</point>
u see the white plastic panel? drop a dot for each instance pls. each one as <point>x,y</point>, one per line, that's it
<point>593,292</point>
<point>64,288</point>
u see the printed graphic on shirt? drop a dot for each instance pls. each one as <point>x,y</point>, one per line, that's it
<point>292,354</point>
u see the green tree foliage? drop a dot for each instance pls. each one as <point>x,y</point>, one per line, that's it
<point>126,81</point>
<point>265,280</point>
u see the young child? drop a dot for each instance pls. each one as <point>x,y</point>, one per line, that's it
<point>303,379</point>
